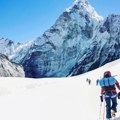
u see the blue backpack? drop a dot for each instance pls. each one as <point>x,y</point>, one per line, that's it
<point>107,81</point>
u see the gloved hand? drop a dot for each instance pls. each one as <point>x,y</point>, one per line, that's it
<point>101,98</point>
<point>119,95</point>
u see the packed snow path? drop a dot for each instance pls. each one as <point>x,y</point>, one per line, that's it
<point>55,98</point>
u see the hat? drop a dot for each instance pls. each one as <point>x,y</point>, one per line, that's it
<point>107,74</point>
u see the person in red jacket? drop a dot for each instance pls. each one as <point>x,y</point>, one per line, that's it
<point>110,94</point>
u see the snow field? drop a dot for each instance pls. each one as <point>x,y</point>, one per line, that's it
<point>69,98</point>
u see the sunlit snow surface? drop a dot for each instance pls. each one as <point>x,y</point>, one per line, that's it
<point>55,98</point>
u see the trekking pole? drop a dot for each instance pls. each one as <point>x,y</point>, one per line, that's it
<point>118,96</point>
<point>100,111</point>
<point>104,110</point>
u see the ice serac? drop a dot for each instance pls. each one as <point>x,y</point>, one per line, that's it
<point>105,46</point>
<point>57,51</point>
<point>8,69</point>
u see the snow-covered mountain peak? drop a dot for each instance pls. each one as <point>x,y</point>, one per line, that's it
<point>84,8</point>
<point>56,52</point>
<point>81,1</point>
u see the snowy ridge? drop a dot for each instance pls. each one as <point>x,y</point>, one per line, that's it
<point>7,46</point>
<point>43,99</point>
<point>21,51</point>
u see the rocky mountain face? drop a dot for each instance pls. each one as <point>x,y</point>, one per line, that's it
<point>104,48</point>
<point>79,41</point>
<point>56,52</point>
<point>8,69</point>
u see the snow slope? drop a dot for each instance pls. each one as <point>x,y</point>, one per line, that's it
<point>54,98</point>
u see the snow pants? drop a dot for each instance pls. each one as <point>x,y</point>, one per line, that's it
<point>111,103</point>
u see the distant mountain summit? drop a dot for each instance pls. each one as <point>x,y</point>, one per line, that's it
<point>79,41</point>
<point>8,69</point>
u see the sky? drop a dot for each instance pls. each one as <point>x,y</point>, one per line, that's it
<point>24,20</point>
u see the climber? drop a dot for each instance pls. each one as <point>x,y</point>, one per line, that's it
<point>108,90</point>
